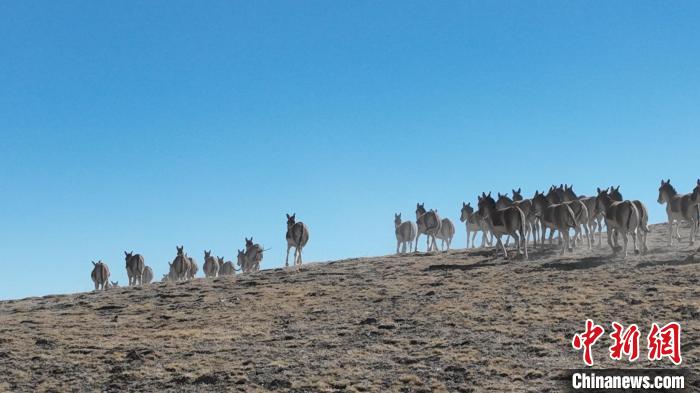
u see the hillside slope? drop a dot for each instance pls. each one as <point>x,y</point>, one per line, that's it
<point>455,321</point>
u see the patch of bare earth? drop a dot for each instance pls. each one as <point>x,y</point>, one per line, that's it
<point>443,322</point>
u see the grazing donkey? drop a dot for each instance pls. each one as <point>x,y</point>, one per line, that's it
<point>428,223</point>
<point>643,228</point>
<point>147,275</point>
<point>134,267</point>
<point>474,224</point>
<point>526,206</point>
<point>180,266</point>
<point>100,275</point>
<point>112,284</point>
<point>227,268</point>
<point>297,236</point>
<point>446,233</point>
<point>557,216</point>
<point>510,220</point>
<point>678,208</point>
<point>620,217</point>
<point>405,233</point>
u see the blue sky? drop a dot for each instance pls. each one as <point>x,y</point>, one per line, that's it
<point>144,125</point>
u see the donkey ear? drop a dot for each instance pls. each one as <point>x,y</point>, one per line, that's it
<point>519,189</point>
<point>699,182</point>
<point>598,188</point>
<point>465,205</point>
<point>618,188</point>
<point>489,194</point>
<point>126,253</point>
<point>288,216</point>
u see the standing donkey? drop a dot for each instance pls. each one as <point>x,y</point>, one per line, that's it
<point>134,267</point>
<point>446,233</point>
<point>211,265</point>
<point>620,217</point>
<point>297,236</point>
<point>526,206</point>
<point>405,233</point>
<point>100,275</point>
<point>474,224</point>
<point>147,275</point>
<point>555,216</point>
<point>510,220</point>
<point>678,208</point>
<point>428,223</point>
<point>642,227</point>
<point>180,266</point>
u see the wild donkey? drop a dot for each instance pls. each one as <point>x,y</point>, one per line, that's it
<point>428,223</point>
<point>211,265</point>
<point>100,275</point>
<point>510,220</point>
<point>194,267</point>
<point>642,227</point>
<point>620,217</point>
<point>254,252</point>
<point>446,233</point>
<point>227,268</point>
<point>526,206</point>
<point>134,267</point>
<point>297,236</point>
<point>474,224</point>
<point>405,233</point>
<point>579,208</point>
<point>557,216</point>
<point>678,208</point>
<point>180,266</point>
<point>595,217</point>
<point>147,275</point>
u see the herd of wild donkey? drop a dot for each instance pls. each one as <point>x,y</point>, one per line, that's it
<point>560,210</point>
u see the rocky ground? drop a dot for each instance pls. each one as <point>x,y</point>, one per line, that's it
<point>454,321</point>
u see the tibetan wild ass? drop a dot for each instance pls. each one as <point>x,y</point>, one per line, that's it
<point>446,233</point>
<point>595,218</point>
<point>211,265</point>
<point>474,224</point>
<point>555,216</point>
<point>180,266</point>
<point>428,223</point>
<point>254,252</point>
<point>100,275</point>
<point>147,275</point>
<point>526,206</point>
<point>227,268</point>
<point>620,217</point>
<point>678,208</point>
<point>579,208</point>
<point>297,236</point>
<point>134,267</point>
<point>510,220</point>
<point>642,227</point>
<point>405,233</point>
<point>194,267</point>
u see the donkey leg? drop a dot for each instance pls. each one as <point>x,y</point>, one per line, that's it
<point>286,261</point>
<point>517,239</point>
<point>398,243</point>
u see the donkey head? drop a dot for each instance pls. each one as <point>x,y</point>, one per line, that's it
<point>128,255</point>
<point>207,254</point>
<point>249,242</point>
<point>615,193</point>
<point>397,219</point>
<point>180,250</point>
<point>420,209</point>
<point>666,191</point>
<point>467,210</point>
<point>517,196</point>
<point>291,220</point>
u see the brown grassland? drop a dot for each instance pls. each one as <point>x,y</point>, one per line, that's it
<point>457,321</point>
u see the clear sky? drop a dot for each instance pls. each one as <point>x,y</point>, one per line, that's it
<point>136,125</point>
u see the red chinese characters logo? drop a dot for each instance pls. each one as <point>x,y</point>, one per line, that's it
<point>624,342</point>
<point>662,342</point>
<point>586,340</point>
<point>665,342</point>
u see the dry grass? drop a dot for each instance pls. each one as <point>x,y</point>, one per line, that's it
<point>457,321</point>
